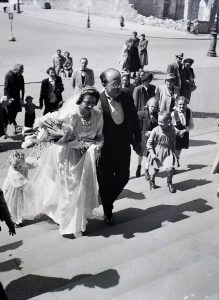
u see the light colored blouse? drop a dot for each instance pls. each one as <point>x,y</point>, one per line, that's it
<point>75,125</point>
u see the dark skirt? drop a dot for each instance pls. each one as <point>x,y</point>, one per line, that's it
<point>182,142</point>
<point>134,60</point>
<point>29,119</point>
<point>13,108</point>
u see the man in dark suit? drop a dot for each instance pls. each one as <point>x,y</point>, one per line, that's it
<point>120,130</point>
<point>176,69</point>
<point>144,92</point>
<point>51,92</point>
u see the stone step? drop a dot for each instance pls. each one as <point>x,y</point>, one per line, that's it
<point>129,221</point>
<point>93,261</point>
<point>196,281</point>
<point>182,269</point>
<point>170,208</point>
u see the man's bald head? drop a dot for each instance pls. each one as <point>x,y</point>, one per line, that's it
<point>111,81</point>
<point>109,75</point>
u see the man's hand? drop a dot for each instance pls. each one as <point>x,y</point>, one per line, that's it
<point>182,132</point>
<point>138,148</point>
<point>153,155</point>
<point>11,226</point>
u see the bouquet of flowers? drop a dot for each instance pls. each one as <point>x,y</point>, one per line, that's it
<point>47,130</point>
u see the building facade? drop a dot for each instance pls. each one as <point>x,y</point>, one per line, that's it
<point>204,10</point>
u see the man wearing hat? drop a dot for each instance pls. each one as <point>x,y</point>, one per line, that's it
<point>167,94</point>
<point>176,68</point>
<point>187,79</point>
<point>144,92</point>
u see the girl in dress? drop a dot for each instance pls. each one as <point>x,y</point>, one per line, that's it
<point>183,121</point>
<point>65,184</point>
<point>148,121</point>
<point>15,184</point>
<point>161,145</point>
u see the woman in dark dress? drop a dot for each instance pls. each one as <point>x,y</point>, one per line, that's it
<point>187,79</point>
<point>135,64</point>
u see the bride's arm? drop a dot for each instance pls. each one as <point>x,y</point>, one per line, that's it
<point>99,136</point>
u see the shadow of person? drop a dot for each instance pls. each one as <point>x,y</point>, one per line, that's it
<point>136,220</point>
<point>11,246</point>
<point>196,166</point>
<point>11,264</point>
<point>130,194</point>
<point>196,143</point>
<point>190,184</point>
<point>9,146</point>
<point>32,285</point>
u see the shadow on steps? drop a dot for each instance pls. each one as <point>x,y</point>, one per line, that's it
<point>135,220</point>
<point>32,285</point>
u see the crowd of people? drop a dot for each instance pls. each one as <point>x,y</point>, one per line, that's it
<point>85,158</point>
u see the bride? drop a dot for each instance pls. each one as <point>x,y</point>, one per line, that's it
<point>64,185</point>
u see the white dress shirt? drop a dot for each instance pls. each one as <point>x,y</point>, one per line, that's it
<point>116,110</point>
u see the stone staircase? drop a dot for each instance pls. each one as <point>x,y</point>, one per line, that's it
<point>163,246</point>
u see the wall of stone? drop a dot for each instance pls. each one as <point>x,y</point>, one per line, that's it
<point>56,4</point>
<point>144,7</point>
<point>158,6</point>
<point>113,8</point>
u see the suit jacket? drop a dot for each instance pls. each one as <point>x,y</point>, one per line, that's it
<point>176,70</point>
<point>141,96</point>
<point>130,118</point>
<point>77,80</point>
<point>13,88</point>
<point>45,88</point>
<point>166,98</point>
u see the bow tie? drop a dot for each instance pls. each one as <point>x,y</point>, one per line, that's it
<point>83,70</point>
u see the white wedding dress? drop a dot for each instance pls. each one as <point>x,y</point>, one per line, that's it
<point>64,185</point>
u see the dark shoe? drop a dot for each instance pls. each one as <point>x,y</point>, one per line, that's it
<point>19,225</point>
<point>138,171</point>
<point>218,194</point>
<point>147,176</point>
<point>171,187</point>
<point>108,221</point>
<point>152,185</point>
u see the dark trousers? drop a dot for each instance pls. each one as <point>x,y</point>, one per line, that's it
<point>51,107</point>
<point>113,175</point>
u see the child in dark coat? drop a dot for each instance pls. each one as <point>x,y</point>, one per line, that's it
<point>29,112</point>
<point>148,121</point>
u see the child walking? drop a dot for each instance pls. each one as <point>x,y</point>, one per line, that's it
<point>161,145</point>
<point>183,121</point>
<point>148,121</point>
<point>29,112</point>
<point>14,185</point>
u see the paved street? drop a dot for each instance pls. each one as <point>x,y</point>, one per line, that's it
<point>163,246</point>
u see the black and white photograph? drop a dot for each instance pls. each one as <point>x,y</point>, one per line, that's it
<point>109,150</point>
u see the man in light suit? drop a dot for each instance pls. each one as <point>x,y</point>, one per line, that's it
<point>176,69</point>
<point>120,130</point>
<point>82,76</point>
